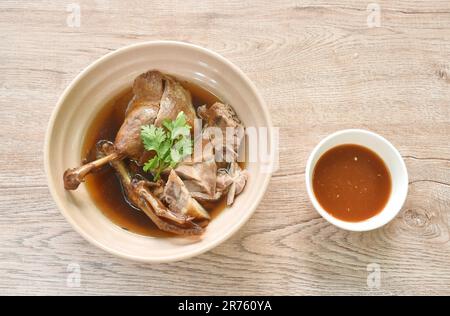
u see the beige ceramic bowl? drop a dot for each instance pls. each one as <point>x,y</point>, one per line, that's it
<point>83,99</point>
<point>391,157</point>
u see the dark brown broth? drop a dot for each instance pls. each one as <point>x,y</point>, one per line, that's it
<point>105,188</point>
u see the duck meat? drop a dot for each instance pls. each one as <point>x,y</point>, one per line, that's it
<point>222,116</point>
<point>178,199</point>
<point>143,195</point>
<point>208,178</point>
<point>199,172</point>
<point>231,181</point>
<point>156,97</point>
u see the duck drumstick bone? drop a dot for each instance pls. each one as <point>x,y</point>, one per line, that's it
<point>74,176</point>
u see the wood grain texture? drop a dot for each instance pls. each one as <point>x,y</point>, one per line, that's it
<point>319,67</point>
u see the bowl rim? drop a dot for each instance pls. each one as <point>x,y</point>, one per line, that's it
<point>364,225</point>
<point>174,257</point>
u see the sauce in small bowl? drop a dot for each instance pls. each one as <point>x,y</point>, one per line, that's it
<point>351,182</point>
<point>356,180</point>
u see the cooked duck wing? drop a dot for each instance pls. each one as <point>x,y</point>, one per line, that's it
<point>141,193</point>
<point>178,199</point>
<point>156,97</point>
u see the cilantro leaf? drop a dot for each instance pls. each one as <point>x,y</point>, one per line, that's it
<point>180,131</point>
<point>152,137</point>
<point>171,144</point>
<point>151,164</point>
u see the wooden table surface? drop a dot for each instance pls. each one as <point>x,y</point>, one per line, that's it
<point>321,66</point>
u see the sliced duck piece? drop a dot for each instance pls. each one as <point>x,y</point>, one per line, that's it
<point>222,116</point>
<point>178,199</point>
<point>199,173</point>
<point>231,181</point>
<point>207,179</point>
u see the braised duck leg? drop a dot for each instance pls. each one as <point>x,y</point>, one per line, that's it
<point>156,97</point>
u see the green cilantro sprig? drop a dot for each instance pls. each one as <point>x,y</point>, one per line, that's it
<point>171,143</point>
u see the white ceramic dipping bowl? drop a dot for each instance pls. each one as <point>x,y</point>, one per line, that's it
<point>391,158</point>
<point>105,78</point>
